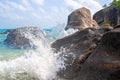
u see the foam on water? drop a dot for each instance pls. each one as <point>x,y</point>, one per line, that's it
<point>38,64</point>
<point>41,64</point>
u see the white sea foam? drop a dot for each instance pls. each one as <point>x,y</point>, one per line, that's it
<point>38,64</point>
<point>59,31</point>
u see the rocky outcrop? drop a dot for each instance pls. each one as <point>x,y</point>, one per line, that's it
<point>117,26</point>
<point>22,37</point>
<point>104,62</point>
<point>80,40</point>
<point>80,19</point>
<point>81,45</point>
<point>108,15</point>
<point>91,53</point>
<point>95,54</point>
<point>94,23</point>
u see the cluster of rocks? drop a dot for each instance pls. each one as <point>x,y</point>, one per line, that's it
<point>96,50</point>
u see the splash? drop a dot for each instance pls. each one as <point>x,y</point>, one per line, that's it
<point>38,64</point>
<point>58,32</point>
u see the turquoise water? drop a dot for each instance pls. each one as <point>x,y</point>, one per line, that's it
<point>41,63</point>
<point>7,52</point>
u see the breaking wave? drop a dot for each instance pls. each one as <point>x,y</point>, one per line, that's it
<point>40,63</point>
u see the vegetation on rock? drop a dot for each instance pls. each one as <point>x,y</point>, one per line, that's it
<point>116,4</point>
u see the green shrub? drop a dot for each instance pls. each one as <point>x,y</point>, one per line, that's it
<point>116,4</point>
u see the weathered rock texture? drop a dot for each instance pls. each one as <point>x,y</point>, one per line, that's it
<point>81,40</point>
<point>81,44</point>
<point>22,37</point>
<point>80,19</point>
<point>104,62</point>
<point>96,54</point>
<point>107,16</point>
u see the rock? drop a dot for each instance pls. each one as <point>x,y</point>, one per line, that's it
<point>6,32</point>
<point>108,15</point>
<point>80,44</point>
<point>104,62</point>
<point>117,26</point>
<point>22,37</point>
<point>94,23</point>
<point>80,40</point>
<point>80,19</point>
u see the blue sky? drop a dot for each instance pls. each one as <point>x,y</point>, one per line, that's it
<point>42,13</point>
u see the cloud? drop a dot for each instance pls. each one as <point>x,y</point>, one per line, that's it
<point>93,5</point>
<point>39,2</point>
<point>25,2</point>
<point>41,12</point>
<point>4,7</point>
<point>18,17</point>
<point>36,15</point>
<point>14,5</point>
<point>72,3</point>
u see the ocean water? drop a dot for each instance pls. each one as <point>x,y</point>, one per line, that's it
<point>7,52</point>
<point>38,64</point>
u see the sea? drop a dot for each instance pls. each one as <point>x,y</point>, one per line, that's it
<point>41,63</point>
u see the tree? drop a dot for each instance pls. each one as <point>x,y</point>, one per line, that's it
<point>116,4</point>
<point>105,6</point>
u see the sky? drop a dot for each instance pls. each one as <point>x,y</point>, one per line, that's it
<point>42,13</point>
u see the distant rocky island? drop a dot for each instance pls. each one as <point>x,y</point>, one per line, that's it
<point>96,45</point>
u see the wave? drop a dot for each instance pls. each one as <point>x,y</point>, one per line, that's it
<point>38,64</point>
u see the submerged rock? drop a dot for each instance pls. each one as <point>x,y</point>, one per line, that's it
<point>22,37</point>
<point>80,19</point>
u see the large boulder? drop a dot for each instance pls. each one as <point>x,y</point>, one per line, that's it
<point>80,19</point>
<point>104,62</point>
<point>81,40</point>
<point>108,15</point>
<point>22,37</point>
<point>80,44</point>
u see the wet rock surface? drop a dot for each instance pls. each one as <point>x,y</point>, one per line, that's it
<point>91,53</point>
<point>99,62</point>
<point>84,44</point>
<point>104,62</point>
<point>19,38</point>
<point>81,40</point>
